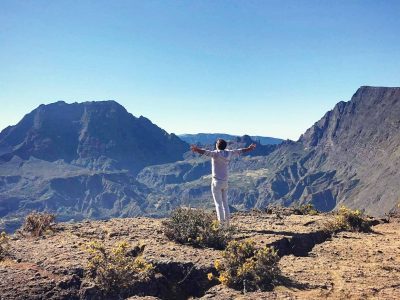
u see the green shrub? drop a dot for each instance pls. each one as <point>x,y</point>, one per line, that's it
<point>118,268</point>
<point>198,228</point>
<point>4,245</point>
<point>38,223</point>
<point>306,209</point>
<point>348,220</point>
<point>245,267</point>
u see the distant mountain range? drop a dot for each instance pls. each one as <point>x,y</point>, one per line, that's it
<point>96,160</point>
<point>210,138</point>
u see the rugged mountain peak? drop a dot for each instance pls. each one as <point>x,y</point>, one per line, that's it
<point>88,131</point>
<point>246,139</point>
<point>370,105</point>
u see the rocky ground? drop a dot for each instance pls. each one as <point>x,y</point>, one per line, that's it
<point>314,265</point>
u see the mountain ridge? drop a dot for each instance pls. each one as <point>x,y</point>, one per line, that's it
<point>83,132</point>
<point>210,138</point>
<point>351,156</point>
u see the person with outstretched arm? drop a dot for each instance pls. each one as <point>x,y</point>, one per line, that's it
<point>219,185</point>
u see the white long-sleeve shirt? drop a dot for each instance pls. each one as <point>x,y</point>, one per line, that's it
<point>220,161</point>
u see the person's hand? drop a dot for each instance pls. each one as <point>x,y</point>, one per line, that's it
<point>252,146</point>
<point>193,148</point>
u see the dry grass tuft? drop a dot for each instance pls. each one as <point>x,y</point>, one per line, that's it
<point>306,209</point>
<point>245,267</point>
<point>198,228</point>
<point>39,223</point>
<point>117,269</point>
<point>4,245</point>
<point>348,220</point>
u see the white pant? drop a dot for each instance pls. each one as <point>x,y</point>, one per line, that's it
<point>219,189</point>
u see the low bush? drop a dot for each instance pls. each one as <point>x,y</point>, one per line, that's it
<point>198,228</point>
<point>39,223</point>
<point>117,269</point>
<point>394,213</point>
<point>4,245</point>
<point>348,220</point>
<point>306,209</point>
<point>245,267</point>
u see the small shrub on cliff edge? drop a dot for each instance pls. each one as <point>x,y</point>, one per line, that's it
<point>38,223</point>
<point>117,269</point>
<point>394,213</point>
<point>4,245</point>
<point>348,220</point>
<point>306,209</point>
<point>245,267</point>
<point>197,227</point>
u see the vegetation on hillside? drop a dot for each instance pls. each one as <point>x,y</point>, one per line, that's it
<point>348,220</point>
<point>243,266</point>
<point>4,245</point>
<point>118,268</point>
<point>197,227</point>
<point>37,223</point>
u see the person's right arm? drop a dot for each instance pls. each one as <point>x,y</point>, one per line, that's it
<point>194,148</point>
<point>206,152</point>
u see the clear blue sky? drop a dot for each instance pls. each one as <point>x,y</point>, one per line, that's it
<point>269,68</point>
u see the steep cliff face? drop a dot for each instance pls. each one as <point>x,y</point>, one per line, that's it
<point>351,156</point>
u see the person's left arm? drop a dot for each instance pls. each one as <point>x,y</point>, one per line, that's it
<point>244,150</point>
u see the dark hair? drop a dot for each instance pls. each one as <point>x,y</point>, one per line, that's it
<point>221,144</point>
